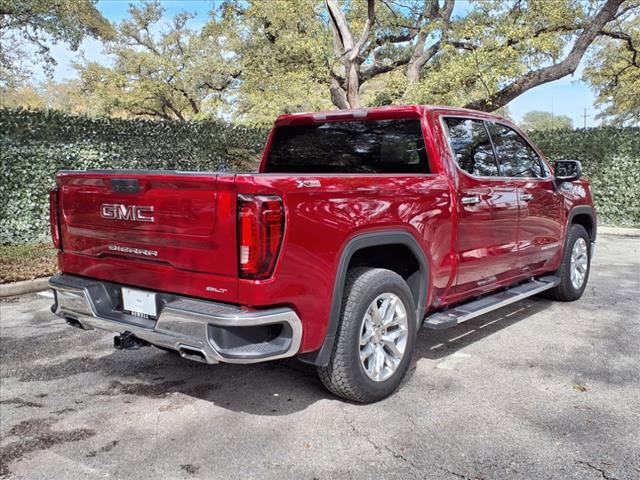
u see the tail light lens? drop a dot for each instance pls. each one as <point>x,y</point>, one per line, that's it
<point>260,232</point>
<point>54,218</point>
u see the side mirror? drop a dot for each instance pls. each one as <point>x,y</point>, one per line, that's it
<point>567,170</point>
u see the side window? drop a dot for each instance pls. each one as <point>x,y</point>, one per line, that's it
<point>516,157</point>
<point>472,146</point>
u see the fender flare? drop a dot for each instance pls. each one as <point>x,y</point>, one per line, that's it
<point>371,239</point>
<point>583,210</point>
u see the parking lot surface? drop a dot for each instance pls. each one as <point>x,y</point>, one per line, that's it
<point>536,390</point>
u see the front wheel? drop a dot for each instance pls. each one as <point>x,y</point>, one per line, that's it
<point>375,339</point>
<point>575,267</point>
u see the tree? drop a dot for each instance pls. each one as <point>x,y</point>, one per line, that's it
<point>170,73</point>
<point>404,51</point>
<point>35,24</point>
<point>535,120</point>
<point>283,50</point>
<point>614,71</point>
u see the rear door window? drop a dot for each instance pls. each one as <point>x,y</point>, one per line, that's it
<point>374,146</point>
<point>515,155</point>
<point>472,146</point>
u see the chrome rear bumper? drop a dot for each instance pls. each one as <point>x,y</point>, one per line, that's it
<point>200,330</point>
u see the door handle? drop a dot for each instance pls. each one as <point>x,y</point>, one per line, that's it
<point>525,197</point>
<point>472,200</point>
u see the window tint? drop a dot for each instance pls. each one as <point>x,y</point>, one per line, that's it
<point>376,146</point>
<point>472,147</point>
<point>516,157</point>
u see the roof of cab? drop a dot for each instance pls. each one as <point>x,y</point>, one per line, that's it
<point>391,111</point>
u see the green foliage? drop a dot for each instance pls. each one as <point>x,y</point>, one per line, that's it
<point>174,73</point>
<point>254,59</point>
<point>282,48</point>
<point>41,23</point>
<point>35,145</point>
<point>614,71</point>
<point>291,55</point>
<point>611,161</point>
<point>62,96</point>
<point>536,120</point>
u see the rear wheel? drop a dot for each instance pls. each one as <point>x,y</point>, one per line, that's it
<point>576,263</point>
<point>375,338</point>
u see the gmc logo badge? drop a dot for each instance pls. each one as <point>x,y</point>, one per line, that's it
<point>133,213</point>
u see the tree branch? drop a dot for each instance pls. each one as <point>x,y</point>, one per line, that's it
<point>371,16</point>
<point>342,37</point>
<point>422,55</point>
<point>380,68</point>
<point>635,53</point>
<point>347,52</point>
<point>554,72</point>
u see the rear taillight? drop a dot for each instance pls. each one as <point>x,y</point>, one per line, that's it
<point>54,218</point>
<point>260,232</point>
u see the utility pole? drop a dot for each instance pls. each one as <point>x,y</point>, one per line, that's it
<point>584,118</point>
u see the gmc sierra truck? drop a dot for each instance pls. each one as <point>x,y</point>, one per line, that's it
<point>361,227</point>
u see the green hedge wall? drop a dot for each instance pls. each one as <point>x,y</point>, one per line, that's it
<point>34,145</point>
<point>610,159</point>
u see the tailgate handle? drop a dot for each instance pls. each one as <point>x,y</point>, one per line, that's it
<point>125,185</point>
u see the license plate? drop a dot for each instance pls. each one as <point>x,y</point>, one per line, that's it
<point>139,302</point>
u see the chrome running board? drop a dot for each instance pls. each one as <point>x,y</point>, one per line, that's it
<point>475,308</point>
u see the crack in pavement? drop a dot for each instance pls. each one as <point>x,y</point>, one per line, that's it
<point>458,475</point>
<point>597,469</point>
<point>349,421</point>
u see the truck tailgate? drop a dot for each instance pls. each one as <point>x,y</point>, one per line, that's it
<point>167,230</point>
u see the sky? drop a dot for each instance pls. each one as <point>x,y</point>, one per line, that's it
<point>568,96</point>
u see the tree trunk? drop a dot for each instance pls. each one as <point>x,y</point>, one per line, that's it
<point>338,95</point>
<point>353,85</point>
<point>347,52</point>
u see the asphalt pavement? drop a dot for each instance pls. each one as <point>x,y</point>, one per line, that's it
<point>537,390</point>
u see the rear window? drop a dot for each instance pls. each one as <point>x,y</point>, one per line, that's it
<point>375,146</point>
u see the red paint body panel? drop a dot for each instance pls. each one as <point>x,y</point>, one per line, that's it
<point>321,221</point>
<point>470,249</point>
<point>193,232</point>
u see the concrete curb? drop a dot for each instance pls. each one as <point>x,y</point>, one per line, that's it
<point>619,231</point>
<point>26,286</point>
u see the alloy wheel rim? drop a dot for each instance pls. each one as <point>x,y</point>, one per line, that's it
<point>383,336</point>
<point>579,263</point>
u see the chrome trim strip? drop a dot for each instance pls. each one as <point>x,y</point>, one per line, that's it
<point>182,324</point>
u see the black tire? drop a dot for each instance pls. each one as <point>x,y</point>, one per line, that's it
<point>565,291</point>
<point>345,375</point>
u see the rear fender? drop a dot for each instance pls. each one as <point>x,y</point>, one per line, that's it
<point>372,239</point>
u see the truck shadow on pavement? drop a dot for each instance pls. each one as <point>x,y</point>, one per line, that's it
<point>436,344</point>
<point>275,388</point>
<point>285,387</point>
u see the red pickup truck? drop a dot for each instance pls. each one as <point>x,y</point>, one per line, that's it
<point>360,227</point>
